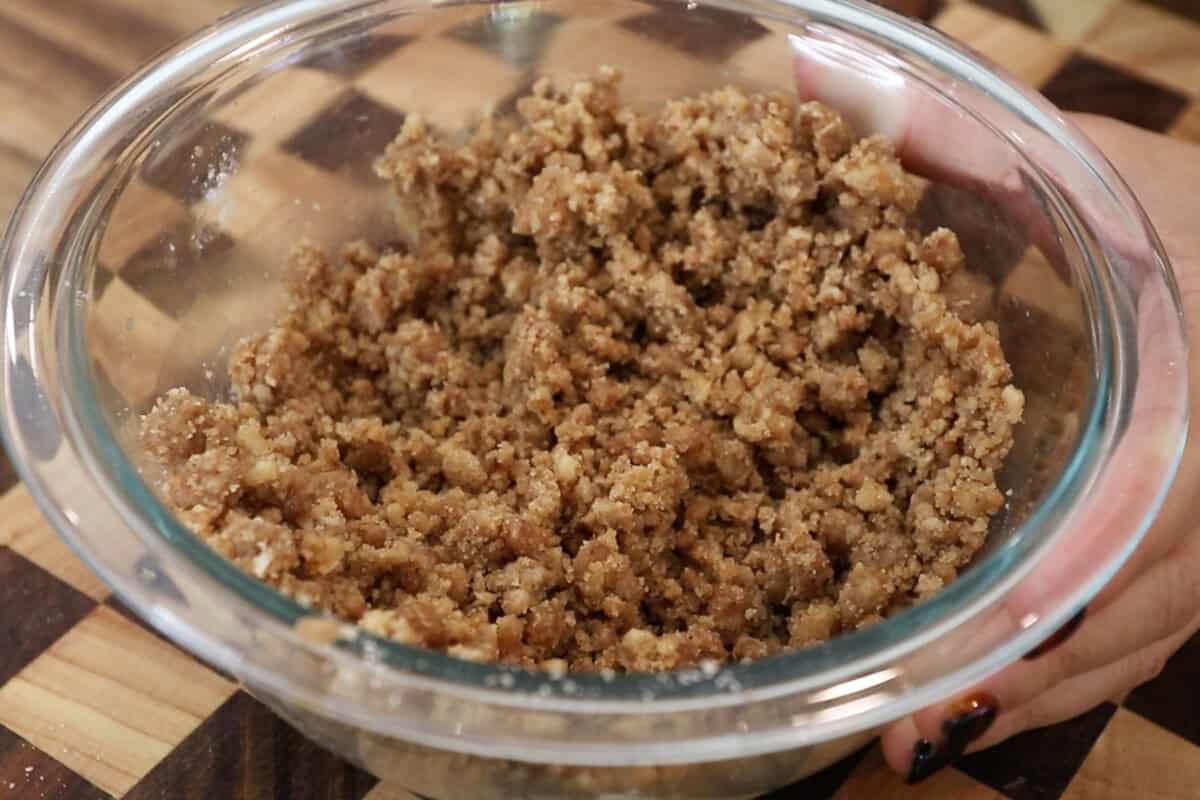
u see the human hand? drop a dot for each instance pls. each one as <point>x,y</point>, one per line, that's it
<point>1152,606</point>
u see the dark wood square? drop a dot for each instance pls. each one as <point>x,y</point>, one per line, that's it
<point>923,10</point>
<point>516,33</point>
<point>244,750</point>
<point>993,241</point>
<point>80,74</point>
<point>711,34</point>
<point>100,280</point>
<point>355,55</point>
<point>38,609</point>
<point>348,135</point>
<point>1172,700</point>
<point>1090,85</point>
<point>140,36</point>
<point>1184,8</point>
<point>187,169</point>
<point>8,475</point>
<point>159,270</point>
<point>1038,765</point>
<point>26,771</point>
<point>1021,10</point>
<point>508,106</point>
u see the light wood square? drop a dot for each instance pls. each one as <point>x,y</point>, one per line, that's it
<point>1071,21</point>
<point>277,199</point>
<point>142,214</point>
<point>1034,282</point>
<point>107,46</point>
<point>130,337</point>
<point>653,71</point>
<point>385,791</point>
<point>303,93</point>
<point>767,64</point>
<point>1027,53</point>
<point>872,778</point>
<point>1136,758</point>
<point>110,700</point>
<point>184,16</point>
<point>1152,43</point>
<point>450,84</point>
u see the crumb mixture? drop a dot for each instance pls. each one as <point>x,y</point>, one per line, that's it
<point>641,390</point>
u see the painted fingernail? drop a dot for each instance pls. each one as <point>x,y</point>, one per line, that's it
<point>924,761</point>
<point>969,719</point>
<point>1058,637</point>
<point>966,721</point>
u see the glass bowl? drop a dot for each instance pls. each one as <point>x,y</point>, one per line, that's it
<point>153,237</point>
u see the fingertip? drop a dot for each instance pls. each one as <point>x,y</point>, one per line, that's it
<point>804,72</point>
<point>868,90</point>
<point>928,722</point>
<point>897,743</point>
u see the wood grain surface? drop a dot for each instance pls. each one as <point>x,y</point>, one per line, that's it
<point>95,705</point>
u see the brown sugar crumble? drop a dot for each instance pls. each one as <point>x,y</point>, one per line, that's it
<point>640,390</point>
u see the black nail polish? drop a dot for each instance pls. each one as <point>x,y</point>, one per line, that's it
<point>1058,637</point>
<point>966,720</point>
<point>922,762</point>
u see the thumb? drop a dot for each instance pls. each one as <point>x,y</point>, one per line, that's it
<point>1162,172</point>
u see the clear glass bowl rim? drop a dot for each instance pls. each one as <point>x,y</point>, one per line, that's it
<point>876,647</point>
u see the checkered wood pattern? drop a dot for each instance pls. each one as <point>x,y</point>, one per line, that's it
<point>90,705</point>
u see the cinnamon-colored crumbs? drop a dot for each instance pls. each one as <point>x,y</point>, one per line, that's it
<point>643,390</point>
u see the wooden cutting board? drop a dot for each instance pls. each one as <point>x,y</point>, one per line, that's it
<point>95,705</point>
